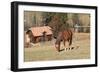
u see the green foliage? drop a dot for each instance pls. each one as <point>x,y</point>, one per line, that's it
<point>48,16</point>
<point>57,21</point>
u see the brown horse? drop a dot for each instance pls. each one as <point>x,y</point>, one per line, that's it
<point>64,36</point>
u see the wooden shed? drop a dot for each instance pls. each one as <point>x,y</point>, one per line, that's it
<point>39,34</point>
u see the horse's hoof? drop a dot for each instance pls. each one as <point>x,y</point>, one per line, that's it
<point>72,48</point>
<point>66,48</point>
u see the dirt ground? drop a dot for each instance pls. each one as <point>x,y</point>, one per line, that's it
<point>47,51</point>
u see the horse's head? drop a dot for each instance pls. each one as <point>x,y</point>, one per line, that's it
<point>57,45</point>
<point>58,41</point>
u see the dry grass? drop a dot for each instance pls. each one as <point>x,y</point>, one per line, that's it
<point>47,50</point>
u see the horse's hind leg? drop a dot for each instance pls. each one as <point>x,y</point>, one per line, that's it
<point>70,41</point>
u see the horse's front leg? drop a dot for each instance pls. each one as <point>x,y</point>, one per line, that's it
<point>64,42</point>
